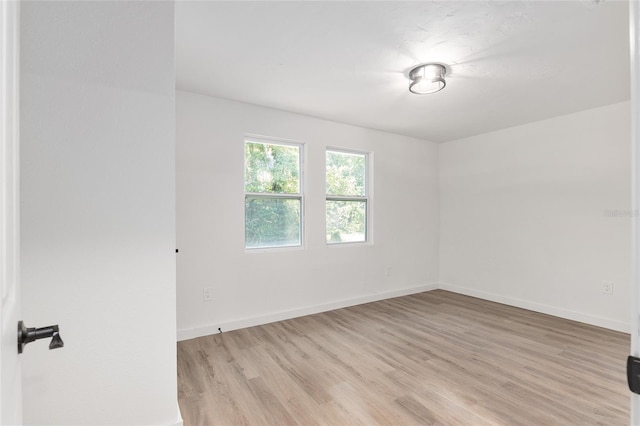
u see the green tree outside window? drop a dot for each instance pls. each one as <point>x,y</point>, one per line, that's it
<point>273,199</point>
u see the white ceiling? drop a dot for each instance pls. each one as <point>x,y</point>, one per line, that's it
<point>511,62</point>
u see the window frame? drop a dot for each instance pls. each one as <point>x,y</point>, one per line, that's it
<point>366,198</point>
<point>267,140</point>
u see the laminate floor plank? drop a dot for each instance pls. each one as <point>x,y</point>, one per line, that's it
<point>433,358</point>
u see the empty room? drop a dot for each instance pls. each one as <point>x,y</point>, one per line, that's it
<point>313,184</point>
<point>321,213</point>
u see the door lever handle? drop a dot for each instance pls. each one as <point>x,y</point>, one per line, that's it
<point>28,335</point>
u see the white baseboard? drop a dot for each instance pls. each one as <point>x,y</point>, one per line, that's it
<point>180,421</point>
<point>205,330</point>
<point>538,307</point>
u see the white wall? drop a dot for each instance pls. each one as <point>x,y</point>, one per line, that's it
<point>526,215</point>
<point>98,211</point>
<point>257,287</point>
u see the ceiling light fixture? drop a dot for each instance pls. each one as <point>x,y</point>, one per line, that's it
<point>427,78</point>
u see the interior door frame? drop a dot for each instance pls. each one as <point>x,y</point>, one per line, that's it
<point>634,44</point>
<point>10,367</point>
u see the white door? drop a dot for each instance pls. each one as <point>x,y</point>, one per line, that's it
<point>10,371</point>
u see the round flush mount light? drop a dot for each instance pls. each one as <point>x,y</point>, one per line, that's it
<point>427,78</point>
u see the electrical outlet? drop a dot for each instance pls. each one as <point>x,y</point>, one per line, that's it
<point>607,287</point>
<point>388,271</point>
<point>207,294</point>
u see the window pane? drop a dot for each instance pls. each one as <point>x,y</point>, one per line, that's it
<point>345,174</point>
<point>271,168</point>
<point>346,221</point>
<point>272,222</point>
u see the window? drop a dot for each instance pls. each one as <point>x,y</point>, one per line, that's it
<point>273,194</point>
<point>347,199</point>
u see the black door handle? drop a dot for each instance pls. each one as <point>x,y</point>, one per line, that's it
<point>28,335</point>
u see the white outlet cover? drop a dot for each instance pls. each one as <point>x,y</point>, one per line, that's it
<point>207,294</point>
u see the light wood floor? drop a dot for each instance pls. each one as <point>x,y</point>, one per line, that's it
<point>430,358</point>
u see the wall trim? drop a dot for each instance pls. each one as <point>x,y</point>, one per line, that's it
<point>180,421</point>
<point>541,308</point>
<point>206,330</point>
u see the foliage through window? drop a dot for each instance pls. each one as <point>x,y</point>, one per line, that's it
<point>347,199</point>
<point>273,194</point>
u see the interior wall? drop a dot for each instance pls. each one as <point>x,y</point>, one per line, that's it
<point>98,212</point>
<point>538,216</point>
<point>254,287</point>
